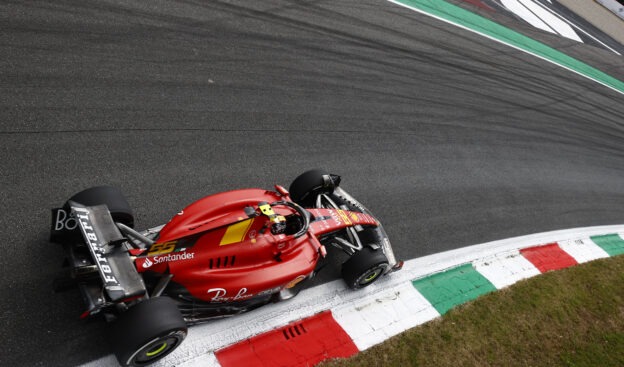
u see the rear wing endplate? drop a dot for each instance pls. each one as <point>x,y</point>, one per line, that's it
<point>107,247</point>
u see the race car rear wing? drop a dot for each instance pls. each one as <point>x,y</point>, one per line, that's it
<point>107,247</point>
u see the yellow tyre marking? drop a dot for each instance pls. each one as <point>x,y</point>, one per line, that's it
<point>153,353</point>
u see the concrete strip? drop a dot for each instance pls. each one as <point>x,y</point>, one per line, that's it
<point>614,6</point>
<point>598,16</point>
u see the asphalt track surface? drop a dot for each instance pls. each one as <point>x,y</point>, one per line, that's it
<point>449,138</point>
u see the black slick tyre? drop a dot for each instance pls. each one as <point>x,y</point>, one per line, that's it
<point>305,187</point>
<point>147,332</point>
<point>364,268</point>
<point>110,196</point>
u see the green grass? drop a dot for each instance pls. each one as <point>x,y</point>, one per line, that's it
<point>572,317</point>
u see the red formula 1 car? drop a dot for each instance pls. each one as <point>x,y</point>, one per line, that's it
<point>222,255</point>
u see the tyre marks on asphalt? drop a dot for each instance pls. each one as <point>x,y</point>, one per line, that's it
<point>480,4</point>
<point>465,19</point>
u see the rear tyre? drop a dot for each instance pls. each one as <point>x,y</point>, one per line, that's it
<point>304,189</point>
<point>110,196</point>
<point>147,332</point>
<point>364,268</point>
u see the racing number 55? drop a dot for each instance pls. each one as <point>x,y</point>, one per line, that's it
<point>162,248</point>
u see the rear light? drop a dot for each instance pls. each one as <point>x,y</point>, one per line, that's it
<point>133,298</point>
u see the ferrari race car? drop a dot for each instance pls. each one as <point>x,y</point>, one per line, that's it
<point>222,255</point>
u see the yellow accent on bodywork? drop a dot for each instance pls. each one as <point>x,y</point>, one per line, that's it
<point>345,218</point>
<point>236,232</point>
<point>162,248</point>
<point>267,210</point>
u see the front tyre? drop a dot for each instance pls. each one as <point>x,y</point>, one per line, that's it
<point>147,332</point>
<point>364,268</point>
<point>304,189</point>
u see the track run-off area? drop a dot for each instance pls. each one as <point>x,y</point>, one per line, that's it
<point>449,137</point>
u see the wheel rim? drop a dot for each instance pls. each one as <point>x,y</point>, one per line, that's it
<point>157,349</point>
<point>370,276</point>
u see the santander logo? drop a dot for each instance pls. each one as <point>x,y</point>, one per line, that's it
<point>147,263</point>
<point>168,257</point>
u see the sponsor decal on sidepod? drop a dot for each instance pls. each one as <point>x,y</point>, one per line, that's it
<point>168,257</point>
